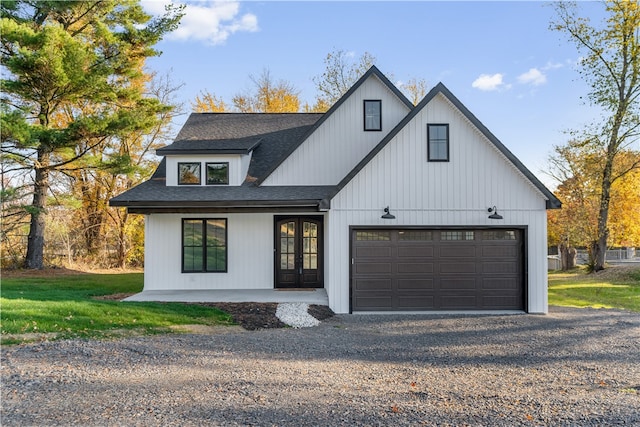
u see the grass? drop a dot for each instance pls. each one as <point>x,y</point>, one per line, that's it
<point>615,287</point>
<point>54,307</point>
<point>68,306</point>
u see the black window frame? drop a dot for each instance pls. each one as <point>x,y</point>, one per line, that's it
<point>206,172</point>
<point>199,171</point>
<point>203,230</point>
<point>429,141</point>
<point>364,115</point>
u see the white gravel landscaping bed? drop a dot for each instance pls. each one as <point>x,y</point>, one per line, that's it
<point>295,314</point>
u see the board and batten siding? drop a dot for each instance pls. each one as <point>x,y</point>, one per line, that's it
<point>340,142</point>
<point>249,253</point>
<point>438,194</point>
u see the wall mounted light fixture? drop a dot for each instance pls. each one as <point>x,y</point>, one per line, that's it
<point>495,214</point>
<point>387,214</point>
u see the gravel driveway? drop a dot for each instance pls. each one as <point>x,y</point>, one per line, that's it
<point>571,367</point>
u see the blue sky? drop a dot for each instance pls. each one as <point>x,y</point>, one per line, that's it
<point>499,58</point>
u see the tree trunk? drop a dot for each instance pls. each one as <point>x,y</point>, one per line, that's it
<point>122,242</point>
<point>598,247</point>
<point>35,244</point>
<point>567,256</point>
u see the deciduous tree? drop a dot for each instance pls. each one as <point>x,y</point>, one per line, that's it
<point>576,166</point>
<point>206,102</point>
<point>610,64</point>
<point>270,96</point>
<point>341,72</point>
<point>416,89</point>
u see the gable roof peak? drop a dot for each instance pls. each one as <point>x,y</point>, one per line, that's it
<point>552,201</point>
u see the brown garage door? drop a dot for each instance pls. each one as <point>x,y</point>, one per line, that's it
<point>437,269</point>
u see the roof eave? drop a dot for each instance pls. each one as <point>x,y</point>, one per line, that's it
<point>203,151</point>
<point>318,203</point>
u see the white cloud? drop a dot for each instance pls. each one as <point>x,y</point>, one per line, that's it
<point>210,22</point>
<point>552,66</point>
<point>533,76</point>
<point>488,82</point>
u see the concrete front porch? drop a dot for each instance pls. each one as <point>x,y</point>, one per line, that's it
<point>309,296</point>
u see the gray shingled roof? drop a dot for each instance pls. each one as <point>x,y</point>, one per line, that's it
<point>205,133</point>
<point>277,135</point>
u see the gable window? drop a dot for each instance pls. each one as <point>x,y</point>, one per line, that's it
<point>372,114</point>
<point>188,173</point>
<point>218,173</point>
<point>204,245</point>
<point>438,142</point>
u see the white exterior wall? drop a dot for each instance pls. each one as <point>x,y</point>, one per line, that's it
<point>249,253</point>
<point>337,146</point>
<point>429,194</point>
<point>238,166</point>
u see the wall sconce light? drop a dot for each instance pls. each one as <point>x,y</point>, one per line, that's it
<point>495,214</point>
<point>387,215</point>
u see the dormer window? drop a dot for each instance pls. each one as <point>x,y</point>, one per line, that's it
<point>372,115</point>
<point>189,173</point>
<point>218,173</point>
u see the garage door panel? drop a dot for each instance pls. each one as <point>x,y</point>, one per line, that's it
<point>457,250</point>
<point>373,267</point>
<point>458,283</point>
<point>415,252</point>
<point>501,284</point>
<point>458,302</point>
<point>424,302</point>
<point>373,285</point>
<point>501,302</point>
<point>432,269</point>
<point>458,267</point>
<point>373,252</point>
<point>415,284</point>
<point>415,267</point>
<point>375,303</point>
<point>499,267</point>
<point>499,251</point>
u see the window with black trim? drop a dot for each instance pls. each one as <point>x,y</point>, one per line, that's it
<point>188,173</point>
<point>373,114</point>
<point>204,245</point>
<point>438,142</point>
<point>218,173</point>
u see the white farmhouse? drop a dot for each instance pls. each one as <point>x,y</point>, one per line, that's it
<point>383,205</point>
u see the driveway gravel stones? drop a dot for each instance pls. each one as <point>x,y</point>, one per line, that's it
<point>573,367</point>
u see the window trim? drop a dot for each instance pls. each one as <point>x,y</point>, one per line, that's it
<point>203,230</point>
<point>206,172</point>
<point>199,170</point>
<point>364,115</point>
<point>447,142</point>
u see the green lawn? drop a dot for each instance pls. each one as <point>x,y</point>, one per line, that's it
<point>65,306</point>
<point>615,287</point>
